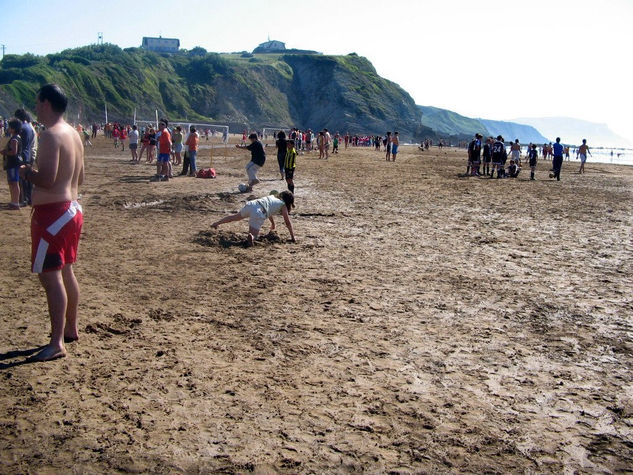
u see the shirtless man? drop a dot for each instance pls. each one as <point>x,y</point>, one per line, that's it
<point>57,217</point>
<point>582,152</point>
<point>395,143</point>
<point>515,152</point>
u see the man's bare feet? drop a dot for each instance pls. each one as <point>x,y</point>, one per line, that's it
<point>48,353</point>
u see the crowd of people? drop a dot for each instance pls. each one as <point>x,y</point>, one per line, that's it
<point>58,172</point>
<point>484,160</point>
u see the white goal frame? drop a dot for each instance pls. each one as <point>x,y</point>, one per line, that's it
<point>269,134</point>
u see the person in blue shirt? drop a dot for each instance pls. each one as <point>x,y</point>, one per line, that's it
<point>557,161</point>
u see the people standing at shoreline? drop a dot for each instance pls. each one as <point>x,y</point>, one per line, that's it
<point>57,217</point>
<point>582,152</point>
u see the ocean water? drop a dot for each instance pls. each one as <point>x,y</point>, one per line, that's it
<point>598,156</point>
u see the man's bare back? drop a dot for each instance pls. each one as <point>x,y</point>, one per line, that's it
<point>60,171</point>
<point>60,165</point>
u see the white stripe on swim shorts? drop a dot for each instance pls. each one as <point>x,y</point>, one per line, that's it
<point>65,218</point>
<point>40,255</point>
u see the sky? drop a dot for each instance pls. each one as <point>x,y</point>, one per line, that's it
<point>494,59</point>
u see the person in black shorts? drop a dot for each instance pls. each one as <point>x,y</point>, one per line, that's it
<point>281,151</point>
<point>532,155</point>
<point>499,157</point>
<point>487,156</point>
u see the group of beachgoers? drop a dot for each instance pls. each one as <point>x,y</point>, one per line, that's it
<point>484,160</point>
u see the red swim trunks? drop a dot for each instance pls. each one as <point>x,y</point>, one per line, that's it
<point>55,231</point>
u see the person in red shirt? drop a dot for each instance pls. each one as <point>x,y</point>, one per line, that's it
<point>123,138</point>
<point>116,133</point>
<point>164,152</point>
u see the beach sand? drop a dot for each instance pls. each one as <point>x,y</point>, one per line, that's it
<point>423,322</point>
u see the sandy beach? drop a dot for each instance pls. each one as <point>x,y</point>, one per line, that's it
<point>423,322</point>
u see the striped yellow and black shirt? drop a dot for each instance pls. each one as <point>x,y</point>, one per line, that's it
<point>291,159</point>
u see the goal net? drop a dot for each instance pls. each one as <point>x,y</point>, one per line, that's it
<point>269,134</point>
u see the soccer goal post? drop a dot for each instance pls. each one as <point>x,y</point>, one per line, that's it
<point>269,134</point>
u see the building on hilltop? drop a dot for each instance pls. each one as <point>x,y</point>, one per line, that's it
<point>279,47</point>
<point>270,47</point>
<point>160,44</point>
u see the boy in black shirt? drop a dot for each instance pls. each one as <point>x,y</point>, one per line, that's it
<point>532,155</point>
<point>499,157</point>
<point>258,158</point>
<point>487,155</point>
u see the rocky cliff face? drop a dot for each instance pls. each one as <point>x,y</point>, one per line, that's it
<point>342,93</point>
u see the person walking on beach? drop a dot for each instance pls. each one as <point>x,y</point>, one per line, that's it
<point>532,156</point>
<point>258,158</point>
<point>258,210</point>
<point>582,152</point>
<point>57,217</point>
<point>395,143</point>
<point>557,161</point>
<point>282,150</point>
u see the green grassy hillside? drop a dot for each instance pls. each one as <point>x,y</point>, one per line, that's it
<point>446,122</point>
<point>342,93</point>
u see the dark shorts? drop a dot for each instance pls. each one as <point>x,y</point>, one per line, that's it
<point>163,157</point>
<point>290,173</point>
<point>132,146</point>
<point>487,159</point>
<point>13,175</point>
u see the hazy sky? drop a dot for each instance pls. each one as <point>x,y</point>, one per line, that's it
<point>496,59</point>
